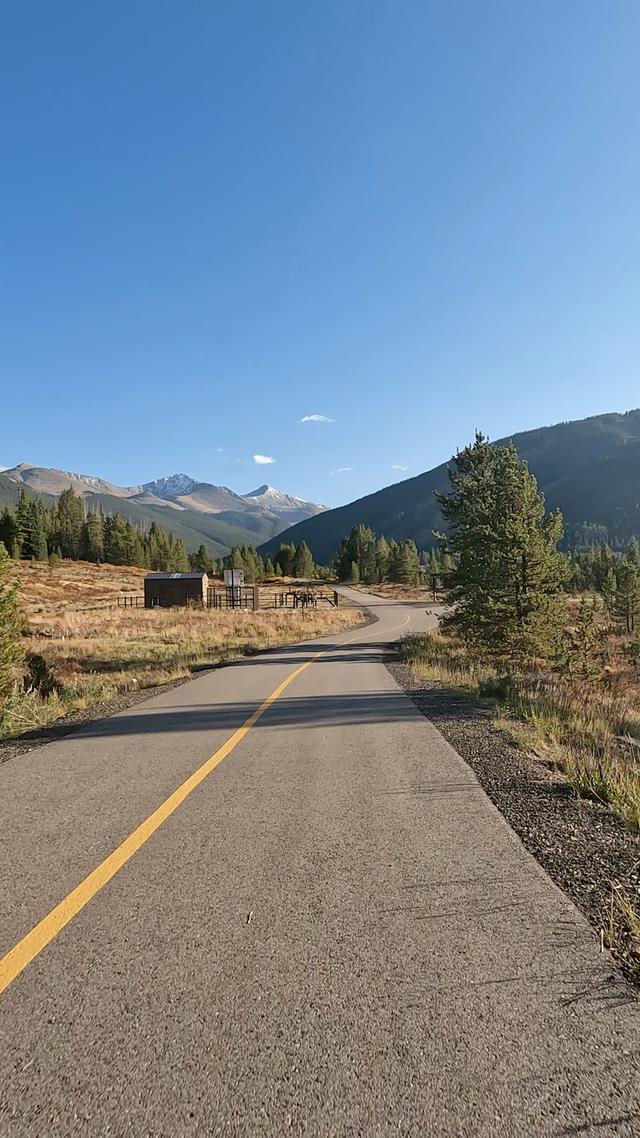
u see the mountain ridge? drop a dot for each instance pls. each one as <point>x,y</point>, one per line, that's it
<point>199,512</point>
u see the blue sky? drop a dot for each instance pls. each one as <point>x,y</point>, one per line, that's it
<point>411,218</point>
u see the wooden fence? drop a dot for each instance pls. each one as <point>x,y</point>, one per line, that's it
<point>252,598</point>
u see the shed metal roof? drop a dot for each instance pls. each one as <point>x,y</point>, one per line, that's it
<point>174,576</point>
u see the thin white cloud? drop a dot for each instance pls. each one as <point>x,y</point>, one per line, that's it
<point>399,466</point>
<point>263,459</point>
<point>219,450</point>
<point>341,470</point>
<point>316,419</point>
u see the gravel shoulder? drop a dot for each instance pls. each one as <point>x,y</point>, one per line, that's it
<point>583,847</point>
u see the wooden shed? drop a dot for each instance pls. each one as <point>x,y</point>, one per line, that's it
<point>162,590</point>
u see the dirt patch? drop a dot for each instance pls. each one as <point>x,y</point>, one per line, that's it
<point>583,847</point>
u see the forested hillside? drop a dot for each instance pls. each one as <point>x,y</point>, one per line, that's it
<point>66,529</point>
<point>589,468</point>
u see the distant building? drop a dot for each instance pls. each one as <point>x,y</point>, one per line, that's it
<point>162,590</point>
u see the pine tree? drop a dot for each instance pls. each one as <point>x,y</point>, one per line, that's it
<point>383,559</point>
<point>202,561</point>
<point>179,557</point>
<point>366,554</point>
<point>23,525</point>
<point>268,568</point>
<point>116,541</point>
<point>584,656</point>
<point>624,604</point>
<point>9,534</point>
<point>67,522</point>
<point>236,560</point>
<point>404,567</point>
<point>10,626</point>
<point>252,563</point>
<point>411,562</point>
<point>508,579</point>
<point>38,530</point>
<point>633,552</point>
<point>285,557</point>
<point>303,567</point>
<point>92,539</point>
<point>359,546</point>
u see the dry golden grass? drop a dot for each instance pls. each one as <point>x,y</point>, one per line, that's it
<point>97,651</point>
<point>73,585</point>
<point>588,730</point>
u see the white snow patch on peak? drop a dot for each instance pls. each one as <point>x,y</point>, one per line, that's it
<point>273,496</point>
<point>86,479</point>
<point>170,486</point>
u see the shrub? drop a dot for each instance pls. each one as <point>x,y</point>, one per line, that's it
<point>10,626</point>
<point>39,676</point>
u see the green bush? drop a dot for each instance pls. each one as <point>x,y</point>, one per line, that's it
<point>497,687</point>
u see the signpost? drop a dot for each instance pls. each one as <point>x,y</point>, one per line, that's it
<point>234,580</point>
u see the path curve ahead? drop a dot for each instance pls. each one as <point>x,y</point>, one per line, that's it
<point>328,931</point>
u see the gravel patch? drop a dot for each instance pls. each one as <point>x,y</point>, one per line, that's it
<point>581,844</point>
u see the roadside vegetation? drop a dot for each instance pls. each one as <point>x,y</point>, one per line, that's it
<point>560,670</point>
<point>64,645</point>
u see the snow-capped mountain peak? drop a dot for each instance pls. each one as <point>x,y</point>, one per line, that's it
<point>170,486</point>
<point>271,496</point>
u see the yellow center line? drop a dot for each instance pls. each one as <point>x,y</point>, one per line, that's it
<point>31,945</point>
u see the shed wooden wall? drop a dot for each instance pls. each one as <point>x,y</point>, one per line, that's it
<point>164,593</point>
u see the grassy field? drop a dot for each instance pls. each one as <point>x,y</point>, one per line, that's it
<point>96,651</point>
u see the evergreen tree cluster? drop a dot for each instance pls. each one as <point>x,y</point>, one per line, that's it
<point>295,561</point>
<point>597,569</point>
<point>32,531</point>
<point>373,560</point>
<point>616,577</point>
<point>289,561</point>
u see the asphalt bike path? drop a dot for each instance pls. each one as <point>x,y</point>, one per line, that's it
<point>275,901</point>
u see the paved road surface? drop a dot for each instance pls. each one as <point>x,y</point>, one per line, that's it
<point>334,934</point>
